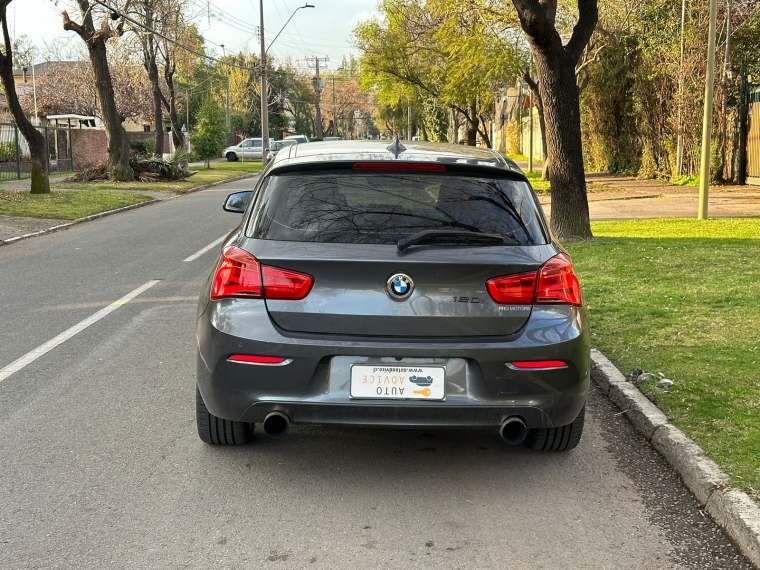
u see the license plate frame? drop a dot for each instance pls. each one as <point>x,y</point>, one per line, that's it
<point>418,382</point>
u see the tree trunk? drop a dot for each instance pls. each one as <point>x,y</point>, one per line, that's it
<point>118,144</point>
<point>171,105</point>
<point>472,124</point>
<point>158,115</point>
<point>555,64</point>
<point>559,93</point>
<point>36,140</point>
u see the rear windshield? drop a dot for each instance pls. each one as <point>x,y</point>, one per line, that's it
<point>384,207</point>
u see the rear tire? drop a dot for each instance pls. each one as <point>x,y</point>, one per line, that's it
<point>217,431</point>
<point>562,438</point>
<point>232,157</point>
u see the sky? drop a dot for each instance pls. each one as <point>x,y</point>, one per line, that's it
<point>322,31</point>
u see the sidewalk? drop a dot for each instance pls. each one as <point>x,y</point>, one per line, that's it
<point>618,197</point>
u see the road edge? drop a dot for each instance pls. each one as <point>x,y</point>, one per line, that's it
<point>99,215</point>
<point>733,510</point>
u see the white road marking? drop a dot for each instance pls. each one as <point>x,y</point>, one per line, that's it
<point>200,252</point>
<point>43,349</point>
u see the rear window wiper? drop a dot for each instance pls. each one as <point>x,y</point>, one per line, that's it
<point>453,235</point>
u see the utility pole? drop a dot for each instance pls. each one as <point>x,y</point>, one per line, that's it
<point>704,169</point>
<point>187,107</point>
<point>264,97</point>
<point>335,119</point>
<point>224,54</point>
<point>264,89</point>
<point>318,85</point>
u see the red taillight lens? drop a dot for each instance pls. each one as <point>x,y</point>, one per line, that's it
<point>554,283</point>
<point>253,359</point>
<point>536,364</point>
<point>284,284</point>
<point>238,275</point>
<point>519,289</point>
<point>557,282</point>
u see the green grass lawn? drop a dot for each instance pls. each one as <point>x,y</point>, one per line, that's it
<point>219,171</point>
<point>540,186</point>
<point>64,205</point>
<point>682,298</point>
<point>522,158</point>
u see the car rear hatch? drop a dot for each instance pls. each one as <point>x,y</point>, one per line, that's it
<point>342,228</point>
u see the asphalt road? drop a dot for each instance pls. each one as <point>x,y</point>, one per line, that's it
<point>102,466</point>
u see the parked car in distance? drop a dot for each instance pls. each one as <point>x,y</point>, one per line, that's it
<point>329,139</point>
<point>297,138</point>
<point>247,149</point>
<point>277,146</point>
<point>406,285</point>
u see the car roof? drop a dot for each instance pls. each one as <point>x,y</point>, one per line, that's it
<point>392,151</point>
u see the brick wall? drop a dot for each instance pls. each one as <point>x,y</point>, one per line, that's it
<point>89,147</point>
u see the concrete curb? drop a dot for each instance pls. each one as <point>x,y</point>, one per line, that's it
<point>78,221</point>
<point>733,510</point>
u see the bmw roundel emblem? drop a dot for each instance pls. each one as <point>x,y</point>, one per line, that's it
<point>400,286</point>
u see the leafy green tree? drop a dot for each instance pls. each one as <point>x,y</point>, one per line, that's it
<point>210,134</point>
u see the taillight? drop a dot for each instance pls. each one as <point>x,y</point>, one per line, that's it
<point>284,284</point>
<point>238,275</point>
<point>557,282</point>
<point>519,289</point>
<point>241,275</point>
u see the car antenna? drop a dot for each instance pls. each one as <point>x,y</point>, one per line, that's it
<point>396,147</point>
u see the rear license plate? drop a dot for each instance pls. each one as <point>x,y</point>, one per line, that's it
<point>398,382</point>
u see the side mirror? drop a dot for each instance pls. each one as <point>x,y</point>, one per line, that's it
<point>237,202</point>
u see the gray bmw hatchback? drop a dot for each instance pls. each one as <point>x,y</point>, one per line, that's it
<point>387,285</point>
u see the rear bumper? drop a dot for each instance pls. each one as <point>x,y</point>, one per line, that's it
<point>313,387</point>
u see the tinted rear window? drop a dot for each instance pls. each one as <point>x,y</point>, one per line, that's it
<point>383,207</point>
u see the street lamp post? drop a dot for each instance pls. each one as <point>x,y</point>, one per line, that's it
<point>264,94</point>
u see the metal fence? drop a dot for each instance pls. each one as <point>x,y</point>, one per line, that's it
<point>15,161</point>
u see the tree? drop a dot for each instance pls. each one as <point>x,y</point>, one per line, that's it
<point>95,39</point>
<point>210,133</point>
<point>457,53</point>
<point>37,148</point>
<point>151,15</point>
<point>178,62</point>
<point>555,64</point>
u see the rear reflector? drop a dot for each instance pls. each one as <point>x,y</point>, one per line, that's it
<point>251,359</point>
<point>240,274</point>
<point>534,364</point>
<point>398,166</point>
<point>519,289</point>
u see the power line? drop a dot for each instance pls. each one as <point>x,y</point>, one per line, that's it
<point>173,41</point>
